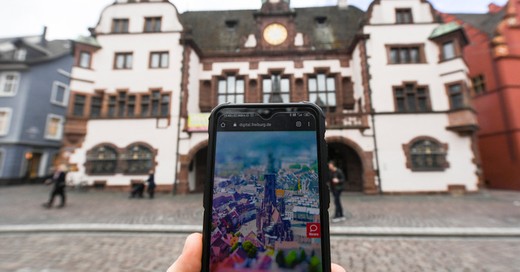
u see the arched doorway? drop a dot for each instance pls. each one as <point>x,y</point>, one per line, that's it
<point>348,160</point>
<point>198,170</point>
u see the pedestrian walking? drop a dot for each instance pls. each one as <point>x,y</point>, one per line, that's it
<point>58,178</point>
<point>151,183</point>
<point>337,182</point>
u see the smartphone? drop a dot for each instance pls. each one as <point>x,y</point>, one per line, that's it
<point>266,199</point>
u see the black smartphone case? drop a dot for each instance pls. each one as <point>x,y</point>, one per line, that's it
<point>324,189</point>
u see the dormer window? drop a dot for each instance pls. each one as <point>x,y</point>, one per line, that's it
<point>321,21</point>
<point>20,54</point>
<point>403,16</point>
<point>231,24</point>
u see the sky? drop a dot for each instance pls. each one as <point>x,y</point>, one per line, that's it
<point>67,19</point>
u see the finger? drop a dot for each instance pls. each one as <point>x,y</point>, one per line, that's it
<point>191,256</point>
<point>337,268</point>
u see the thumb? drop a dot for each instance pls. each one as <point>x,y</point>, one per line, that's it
<point>191,256</point>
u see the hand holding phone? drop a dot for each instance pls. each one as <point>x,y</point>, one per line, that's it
<point>266,199</point>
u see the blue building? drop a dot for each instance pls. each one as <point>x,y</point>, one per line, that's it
<point>34,96</point>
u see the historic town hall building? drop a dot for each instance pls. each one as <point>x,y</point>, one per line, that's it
<point>391,80</point>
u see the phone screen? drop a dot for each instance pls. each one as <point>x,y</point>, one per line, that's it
<point>265,204</point>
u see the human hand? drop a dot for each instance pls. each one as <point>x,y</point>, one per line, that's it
<point>190,258</point>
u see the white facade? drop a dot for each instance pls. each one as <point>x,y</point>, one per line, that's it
<point>394,130</point>
<point>159,132</point>
<point>378,156</point>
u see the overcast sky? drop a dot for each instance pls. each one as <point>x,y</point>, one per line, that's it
<point>67,19</point>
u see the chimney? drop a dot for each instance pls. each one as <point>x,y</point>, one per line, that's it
<point>43,39</point>
<point>494,8</point>
<point>343,4</point>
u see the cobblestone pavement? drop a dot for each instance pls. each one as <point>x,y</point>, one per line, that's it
<point>21,205</point>
<point>113,252</point>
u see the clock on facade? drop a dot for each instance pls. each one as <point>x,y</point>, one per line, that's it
<point>275,34</point>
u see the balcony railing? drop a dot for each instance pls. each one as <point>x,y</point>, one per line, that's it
<point>347,121</point>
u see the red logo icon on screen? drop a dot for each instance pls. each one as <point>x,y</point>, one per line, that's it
<point>313,230</point>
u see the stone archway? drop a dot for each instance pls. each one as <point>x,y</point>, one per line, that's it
<point>357,163</point>
<point>190,161</point>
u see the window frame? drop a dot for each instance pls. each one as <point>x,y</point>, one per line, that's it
<point>20,54</point>
<point>400,20</point>
<point>444,164</point>
<point>417,98</point>
<point>3,83</point>
<point>282,92</point>
<point>421,56</point>
<point>74,103</point>
<point>89,162</point>
<point>453,47</point>
<point>66,93</point>
<point>463,91</point>
<point>231,92</point>
<point>127,64</point>
<point>128,159</point>
<point>9,113</point>
<point>80,61</point>
<point>155,22</point>
<point>479,84</point>
<point>160,65</point>
<point>327,76</point>
<point>60,128</point>
<point>116,25</point>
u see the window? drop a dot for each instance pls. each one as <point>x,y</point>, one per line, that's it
<point>84,59</point>
<point>159,59</point>
<point>403,16</point>
<point>78,109</point>
<point>139,159</point>
<point>479,84</point>
<point>102,160</point>
<point>322,90</point>
<point>130,110</point>
<point>9,83</point>
<point>448,50</point>
<point>120,26</point>
<point>426,154</point>
<point>54,127</point>
<point>60,93</point>
<point>123,61</point>
<point>20,54</point>
<point>95,106</point>
<point>152,24</point>
<point>5,120</point>
<point>112,104</point>
<point>412,98</point>
<point>145,105</point>
<point>406,54</point>
<point>276,89</point>
<point>121,104</point>
<point>230,89</point>
<point>165,105</point>
<point>456,96</point>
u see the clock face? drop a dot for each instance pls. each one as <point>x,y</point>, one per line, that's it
<point>275,34</point>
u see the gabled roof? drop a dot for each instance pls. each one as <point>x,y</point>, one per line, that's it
<point>487,22</point>
<point>212,35</point>
<point>38,50</point>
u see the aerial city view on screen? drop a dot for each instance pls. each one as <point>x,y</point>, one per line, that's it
<point>266,202</point>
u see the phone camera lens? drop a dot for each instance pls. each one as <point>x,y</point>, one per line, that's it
<point>298,123</point>
<point>222,125</point>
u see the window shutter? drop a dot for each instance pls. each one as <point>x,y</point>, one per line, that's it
<point>347,88</point>
<point>206,96</point>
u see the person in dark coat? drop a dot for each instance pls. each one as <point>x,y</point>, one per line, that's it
<point>58,179</point>
<point>151,184</point>
<point>337,183</point>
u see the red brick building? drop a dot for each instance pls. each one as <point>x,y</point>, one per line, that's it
<point>493,57</point>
